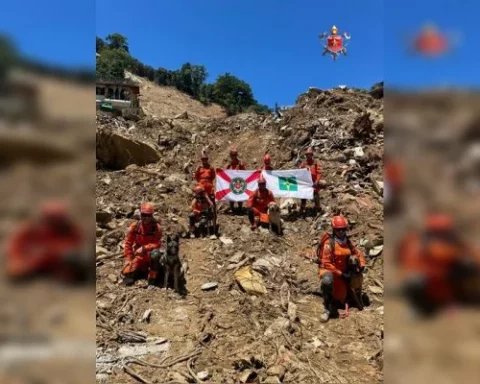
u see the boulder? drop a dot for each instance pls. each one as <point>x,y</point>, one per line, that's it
<point>116,151</point>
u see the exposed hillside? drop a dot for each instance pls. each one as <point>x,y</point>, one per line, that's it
<point>169,102</point>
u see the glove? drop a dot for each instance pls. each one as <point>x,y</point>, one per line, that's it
<point>346,276</point>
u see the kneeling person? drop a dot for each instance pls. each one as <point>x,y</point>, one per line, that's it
<point>333,252</point>
<point>143,238</point>
<point>201,209</point>
<point>258,202</point>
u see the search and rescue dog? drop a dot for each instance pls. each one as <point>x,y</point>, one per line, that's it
<point>171,264</point>
<point>275,222</point>
<point>356,281</point>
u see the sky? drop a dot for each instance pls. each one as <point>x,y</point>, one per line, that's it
<point>271,44</point>
<point>453,17</point>
<point>57,32</point>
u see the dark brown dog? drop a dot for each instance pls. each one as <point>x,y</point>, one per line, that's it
<point>356,281</point>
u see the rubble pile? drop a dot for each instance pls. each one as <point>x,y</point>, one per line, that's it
<point>252,309</point>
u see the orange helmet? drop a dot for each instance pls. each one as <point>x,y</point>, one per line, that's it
<point>267,158</point>
<point>309,151</point>
<point>147,209</point>
<point>233,151</point>
<point>198,190</point>
<point>262,180</point>
<point>53,209</point>
<point>439,222</point>
<point>339,222</point>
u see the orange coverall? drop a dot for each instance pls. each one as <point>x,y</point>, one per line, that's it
<point>237,165</point>
<point>315,170</point>
<point>148,238</point>
<point>38,248</point>
<point>259,201</point>
<point>205,178</point>
<point>336,263</point>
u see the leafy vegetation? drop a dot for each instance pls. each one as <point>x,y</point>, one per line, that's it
<point>234,94</point>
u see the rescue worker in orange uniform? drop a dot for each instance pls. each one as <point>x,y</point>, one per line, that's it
<point>394,181</point>
<point>237,165</point>
<point>316,170</point>
<point>50,246</point>
<point>142,247</point>
<point>267,163</point>
<point>333,252</point>
<point>258,202</point>
<point>205,177</point>
<point>438,268</point>
<point>201,209</point>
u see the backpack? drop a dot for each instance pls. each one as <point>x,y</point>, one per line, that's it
<point>329,237</point>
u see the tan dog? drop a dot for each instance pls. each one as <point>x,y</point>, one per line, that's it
<point>275,221</point>
<point>356,281</point>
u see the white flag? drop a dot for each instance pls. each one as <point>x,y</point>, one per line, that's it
<point>235,185</point>
<point>295,183</point>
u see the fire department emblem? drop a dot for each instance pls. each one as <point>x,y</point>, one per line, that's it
<point>334,44</point>
<point>238,185</point>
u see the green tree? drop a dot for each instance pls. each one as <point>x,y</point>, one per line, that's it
<point>232,93</point>
<point>112,63</point>
<point>117,41</point>
<point>100,44</point>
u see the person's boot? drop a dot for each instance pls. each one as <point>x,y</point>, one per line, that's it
<point>232,207</point>
<point>128,280</point>
<point>327,312</point>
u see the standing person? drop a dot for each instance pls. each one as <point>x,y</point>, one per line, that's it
<point>237,165</point>
<point>267,163</point>
<point>205,176</point>
<point>315,169</point>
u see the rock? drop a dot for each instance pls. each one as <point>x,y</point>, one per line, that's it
<point>177,178</point>
<point>237,257</point>
<point>292,312</point>
<point>146,316</point>
<point>143,349</point>
<point>103,217</point>
<point>263,266</point>
<point>288,203</point>
<point>209,286</point>
<point>248,376</point>
<point>374,289</point>
<point>277,370</point>
<point>358,153</point>
<point>111,226</point>
<point>183,116</point>
<point>100,251</point>
<point>375,251</point>
<point>116,151</point>
<point>226,241</point>
<point>112,278</point>
<point>352,162</point>
<point>99,232</point>
<point>204,375</point>
<point>277,326</point>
